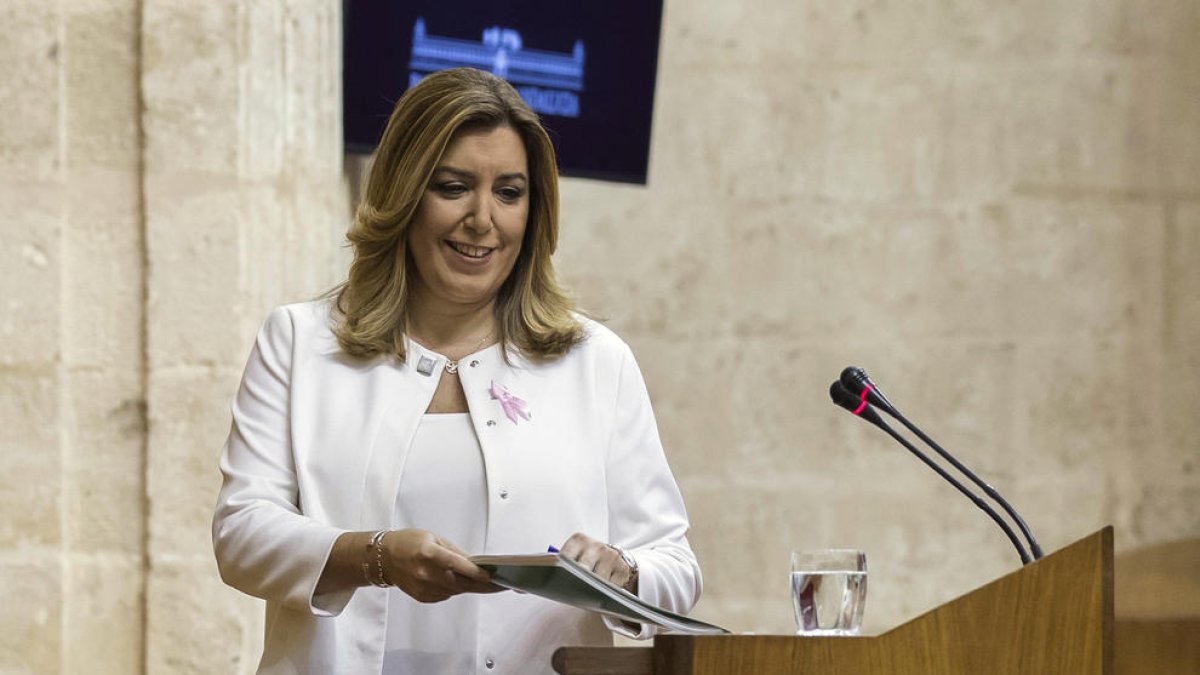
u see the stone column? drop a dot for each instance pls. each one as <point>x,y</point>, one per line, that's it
<point>168,171</point>
<point>72,431</point>
<point>244,210</point>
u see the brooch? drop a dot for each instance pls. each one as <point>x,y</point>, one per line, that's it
<point>512,405</point>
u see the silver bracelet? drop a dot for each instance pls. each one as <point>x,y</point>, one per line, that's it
<point>374,558</point>
<point>629,561</point>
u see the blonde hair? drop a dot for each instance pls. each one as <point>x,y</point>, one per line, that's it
<point>533,313</point>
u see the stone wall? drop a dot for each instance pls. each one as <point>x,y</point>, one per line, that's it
<point>992,207</point>
<point>169,171</point>
<point>72,368</point>
<point>245,210</point>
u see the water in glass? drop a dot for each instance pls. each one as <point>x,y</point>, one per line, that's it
<point>829,603</point>
<point>829,591</point>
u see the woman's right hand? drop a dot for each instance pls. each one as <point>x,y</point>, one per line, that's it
<point>429,568</point>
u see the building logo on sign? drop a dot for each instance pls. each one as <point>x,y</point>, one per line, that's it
<point>549,82</point>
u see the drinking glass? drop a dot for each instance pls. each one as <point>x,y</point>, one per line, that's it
<point>829,590</point>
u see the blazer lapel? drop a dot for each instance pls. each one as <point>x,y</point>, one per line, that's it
<point>401,395</point>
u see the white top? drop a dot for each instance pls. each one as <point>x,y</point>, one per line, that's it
<point>443,490</point>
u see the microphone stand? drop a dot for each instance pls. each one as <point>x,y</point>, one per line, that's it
<point>861,381</point>
<point>846,399</point>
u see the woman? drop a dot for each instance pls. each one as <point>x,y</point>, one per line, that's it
<point>445,401</point>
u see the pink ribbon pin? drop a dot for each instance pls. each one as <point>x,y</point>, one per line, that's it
<point>513,406</point>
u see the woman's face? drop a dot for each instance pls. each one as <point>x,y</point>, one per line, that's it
<point>471,220</point>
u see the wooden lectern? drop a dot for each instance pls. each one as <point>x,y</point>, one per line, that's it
<point>1052,617</point>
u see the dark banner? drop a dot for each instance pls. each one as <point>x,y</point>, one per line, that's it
<point>588,70</point>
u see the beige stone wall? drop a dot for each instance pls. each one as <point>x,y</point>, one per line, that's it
<point>245,210</point>
<point>72,431</point>
<point>993,207</point>
<point>168,172</point>
<point>990,206</point>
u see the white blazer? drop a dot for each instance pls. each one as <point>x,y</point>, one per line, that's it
<point>317,447</point>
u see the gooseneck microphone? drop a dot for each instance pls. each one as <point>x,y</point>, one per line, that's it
<point>860,407</point>
<point>857,381</point>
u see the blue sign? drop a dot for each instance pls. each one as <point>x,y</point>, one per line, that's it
<point>546,80</point>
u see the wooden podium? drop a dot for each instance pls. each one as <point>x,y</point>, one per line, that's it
<point>1053,617</point>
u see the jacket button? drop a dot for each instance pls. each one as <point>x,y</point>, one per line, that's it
<point>503,493</point>
<point>490,664</point>
<point>474,362</point>
<point>491,423</point>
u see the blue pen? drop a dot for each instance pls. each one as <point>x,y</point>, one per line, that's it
<point>551,549</point>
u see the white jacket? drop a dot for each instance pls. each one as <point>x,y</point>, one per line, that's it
<point>318,445</point>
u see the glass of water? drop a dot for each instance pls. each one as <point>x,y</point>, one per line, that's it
<point>829,590</point>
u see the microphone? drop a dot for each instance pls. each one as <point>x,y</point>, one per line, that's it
<point>858,382</point>
<point>860,407</point>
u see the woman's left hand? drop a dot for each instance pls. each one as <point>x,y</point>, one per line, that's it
<point>603,560</point>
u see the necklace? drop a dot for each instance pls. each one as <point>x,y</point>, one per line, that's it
<point>452,366</point>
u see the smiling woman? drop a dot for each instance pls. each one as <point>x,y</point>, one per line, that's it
<point>449,114</point>
<point>446,400</point>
